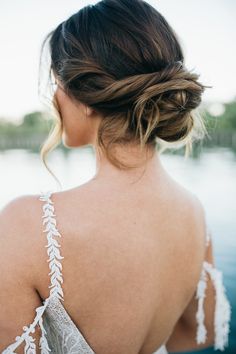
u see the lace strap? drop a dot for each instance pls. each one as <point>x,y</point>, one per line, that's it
<point>53,247</point>
<point>55,287</point>
<point>222,307</point>
<point>222,312</point>
<point>30,347</point>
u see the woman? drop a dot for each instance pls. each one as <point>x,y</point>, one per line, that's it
<point>129,252</point>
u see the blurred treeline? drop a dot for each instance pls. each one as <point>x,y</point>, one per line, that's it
<point>221,128</point>
<point>34,127</point>
<point>29,133</point>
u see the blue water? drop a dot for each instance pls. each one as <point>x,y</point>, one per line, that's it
<point>212,176</point>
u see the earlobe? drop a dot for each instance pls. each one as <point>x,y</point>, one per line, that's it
<point>89,111</point>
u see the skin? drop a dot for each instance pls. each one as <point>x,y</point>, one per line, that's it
<point>133,245</point>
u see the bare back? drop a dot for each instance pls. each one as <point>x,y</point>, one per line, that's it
<point>132,260</point>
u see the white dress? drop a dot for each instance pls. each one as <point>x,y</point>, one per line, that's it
<point>59,334</point>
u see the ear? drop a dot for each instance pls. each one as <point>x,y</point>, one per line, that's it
<point>89,111</point>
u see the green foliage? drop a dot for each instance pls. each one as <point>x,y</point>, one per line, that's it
<point>36,122</point>
<point>32,123</point>
<point>35,126</point>
<point>229,117</point>
<point>226,121</point>
<point>33,120</point>
<point>32,131</point>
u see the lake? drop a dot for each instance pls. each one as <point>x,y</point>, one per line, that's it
<point>211,176</point>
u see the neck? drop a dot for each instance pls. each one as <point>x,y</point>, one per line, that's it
<point>148,166</point>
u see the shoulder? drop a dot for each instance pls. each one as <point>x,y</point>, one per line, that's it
<point>17,216</point>
<point>199,213</point>
<point>22,253</point>
<point>192,205</point>
<point>197,228</point>
<point>20,234</point>
<point>198,216</point>
<point>19,205</point>
<point>192,215</point>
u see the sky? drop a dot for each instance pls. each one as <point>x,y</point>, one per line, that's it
<point>206,30</point>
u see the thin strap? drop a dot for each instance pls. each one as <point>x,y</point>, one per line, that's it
<point>55,287</point>
<point>53,247</point>
<point>222,312</point>
<point>222,307</point>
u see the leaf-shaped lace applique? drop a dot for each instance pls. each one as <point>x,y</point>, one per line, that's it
<point>222,308</point>
<point>49,218</point>
<point>26,335</point>
<point>43,344</point>
<point>55,288</point>
<point>30,347</point>
<point>200,295</point>
<point>53,247</point>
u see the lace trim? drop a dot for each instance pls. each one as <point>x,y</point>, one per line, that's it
<point>200,296</point>
<point>53,247</point>
<point>30,347</point>
<point>222,313</point>
<point>200,316</point>
<point>43,344</point>
<point>55,286</point>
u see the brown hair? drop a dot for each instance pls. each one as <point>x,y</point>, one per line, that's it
<point>123,59</point>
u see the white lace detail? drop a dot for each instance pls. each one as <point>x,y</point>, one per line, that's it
<point>26,336</point>
<point>222,308</point>
<point>55,287</point>
<point>64,336</point>
<point>53,246</point>
<point>222,313</point>
<point>43,343</point>
<point>200,295</point>
<point>59,334</point>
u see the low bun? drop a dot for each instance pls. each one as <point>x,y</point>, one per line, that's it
<point>124,60</point>
<point>154,105</point>
<point>168,102</point>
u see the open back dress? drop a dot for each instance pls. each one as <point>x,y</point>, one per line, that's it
<point>60,335</point>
